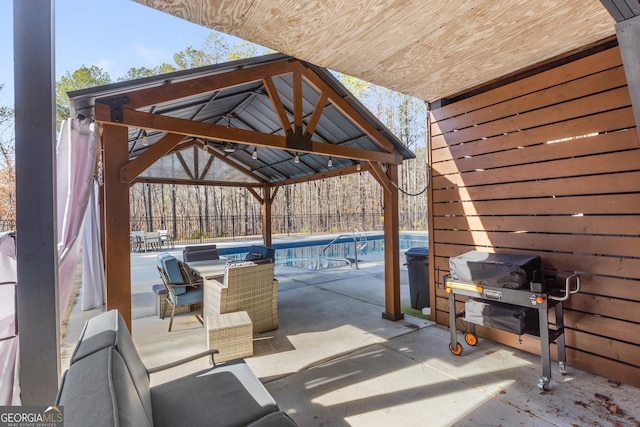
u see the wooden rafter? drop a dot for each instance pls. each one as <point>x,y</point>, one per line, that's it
<point>206,167</point>
<point>159,94</point>
<point>277,104</point>
<point>297,97</point>
<point>138,165</point>
<point>317,113</point>
<point>234,165</point>
<point>274,192</point>
<point>347,109</point>
<point>381,176</point>
<point>258,197</point>
<point>184,164</point>
<point>222,158</point>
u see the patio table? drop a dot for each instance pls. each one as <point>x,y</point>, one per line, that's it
<point>209,269</point>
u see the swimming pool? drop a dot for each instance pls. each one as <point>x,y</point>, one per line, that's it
<point>308,254</point>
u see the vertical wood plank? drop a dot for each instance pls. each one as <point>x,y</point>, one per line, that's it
<point>532,178</point>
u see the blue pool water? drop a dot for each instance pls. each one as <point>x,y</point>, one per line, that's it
<point>308,254</point>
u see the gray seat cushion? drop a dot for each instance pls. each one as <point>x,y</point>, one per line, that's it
<point>236,393</point>
<point>274,419</point>
<point>109,329</point>
<point>261,252</point>
<point>97,390</point>
<point>200,253</point>
<point>108,385</point>
<point>169,264</point>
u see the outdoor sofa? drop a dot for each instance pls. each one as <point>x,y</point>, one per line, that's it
<point>108,385</point>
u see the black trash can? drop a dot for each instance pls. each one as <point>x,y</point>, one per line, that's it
<point>418,266</point>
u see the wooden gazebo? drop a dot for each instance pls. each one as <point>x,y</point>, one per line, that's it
<point>259,123</point>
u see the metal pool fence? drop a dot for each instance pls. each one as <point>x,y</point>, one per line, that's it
<point>203,229</point>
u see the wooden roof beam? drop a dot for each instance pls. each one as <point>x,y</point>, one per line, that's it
<point>258,197</point>
<point>152,154</point>
<point>241,136</point>
<point>380,176</point>
<point>184,165</point>
<point>317,113</point>
<point>157,180</point>
<point>172,91</point>
<point>277,104</point>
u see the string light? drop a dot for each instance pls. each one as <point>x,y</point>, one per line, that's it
<point>296,159</point>
<point>358,166</point>
<point>255,153</point>
<point>330,163</point>
<point>145,138</point>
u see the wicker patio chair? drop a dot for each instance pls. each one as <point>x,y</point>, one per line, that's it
<point>248,286</point>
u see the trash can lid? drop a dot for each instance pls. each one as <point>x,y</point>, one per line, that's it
<point>418,251</point>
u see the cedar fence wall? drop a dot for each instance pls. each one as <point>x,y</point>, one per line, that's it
<point>549,165</point>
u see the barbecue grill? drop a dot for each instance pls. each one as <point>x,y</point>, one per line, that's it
<point>509,292</point>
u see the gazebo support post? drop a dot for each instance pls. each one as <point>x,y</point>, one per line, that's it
<point>116,221</point>
<point>391,246</point>
<point>267,201</point>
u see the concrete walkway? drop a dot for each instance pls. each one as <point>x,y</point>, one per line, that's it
<point>335,362</point>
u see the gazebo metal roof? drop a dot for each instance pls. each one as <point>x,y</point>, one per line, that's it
<point>248,104</point>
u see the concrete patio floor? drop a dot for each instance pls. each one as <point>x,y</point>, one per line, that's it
<point>335,362</point>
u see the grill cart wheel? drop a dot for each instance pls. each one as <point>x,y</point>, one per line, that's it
<point>470,339</point>
<point>544,383</point>
<point>456,351</point>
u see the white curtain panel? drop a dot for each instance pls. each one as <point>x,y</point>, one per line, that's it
<point>76,158</point>
<point>93,280</point>
<point>9,361</point>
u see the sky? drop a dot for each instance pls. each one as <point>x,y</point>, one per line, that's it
<point>114,35</point>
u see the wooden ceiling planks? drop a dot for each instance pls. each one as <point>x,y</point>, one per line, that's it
<point>430,49</point>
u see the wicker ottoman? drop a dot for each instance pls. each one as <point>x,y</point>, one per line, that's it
<point>231,334</point>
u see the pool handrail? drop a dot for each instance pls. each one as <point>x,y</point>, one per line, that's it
<point>355,249</point>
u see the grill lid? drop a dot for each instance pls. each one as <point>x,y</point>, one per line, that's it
<point>509,271</point>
